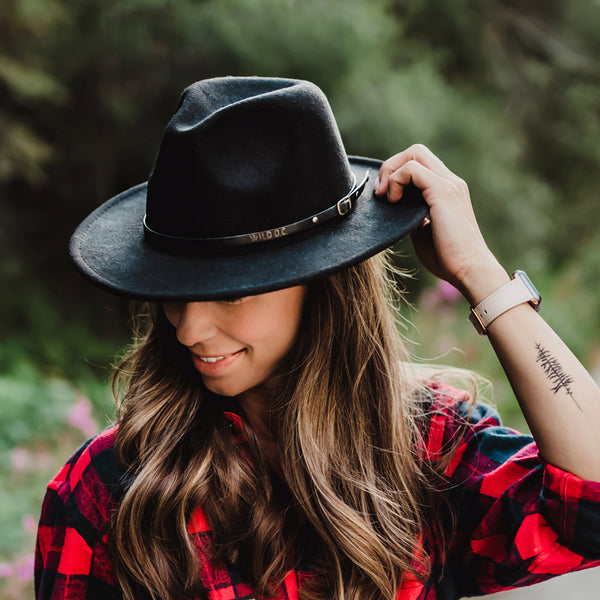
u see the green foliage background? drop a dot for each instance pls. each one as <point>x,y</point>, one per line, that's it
<point>506,92</point>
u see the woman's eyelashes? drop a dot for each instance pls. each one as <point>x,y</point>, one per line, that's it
<point>239,300</point>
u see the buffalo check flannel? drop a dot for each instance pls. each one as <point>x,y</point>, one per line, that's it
<point>519,520</point>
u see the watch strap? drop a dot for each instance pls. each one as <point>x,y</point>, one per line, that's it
<point>516,291</point>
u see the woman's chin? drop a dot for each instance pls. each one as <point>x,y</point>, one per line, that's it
<point>223,388</point>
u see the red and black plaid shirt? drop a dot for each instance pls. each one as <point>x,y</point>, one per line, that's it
<point>520,520</point>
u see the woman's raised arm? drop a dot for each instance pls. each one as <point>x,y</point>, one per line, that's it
<point>558,397</point>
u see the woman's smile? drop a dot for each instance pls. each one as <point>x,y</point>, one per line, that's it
<point>238,345</point>
<point>214,365</point>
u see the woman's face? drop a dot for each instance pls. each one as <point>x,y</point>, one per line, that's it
<point>238,345</point>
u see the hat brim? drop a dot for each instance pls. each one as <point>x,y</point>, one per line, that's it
<point>109,249</point>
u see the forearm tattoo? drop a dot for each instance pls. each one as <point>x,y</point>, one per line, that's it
<point>555,372</point>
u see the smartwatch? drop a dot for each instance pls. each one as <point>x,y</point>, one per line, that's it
<point>518,291</point>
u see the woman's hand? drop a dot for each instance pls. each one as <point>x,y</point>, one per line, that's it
<point>450,244</point>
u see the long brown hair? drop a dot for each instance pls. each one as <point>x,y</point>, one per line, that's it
<point>346,421</point>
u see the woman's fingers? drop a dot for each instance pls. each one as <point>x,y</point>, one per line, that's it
<point>417,153</point>
<point>412,172</point>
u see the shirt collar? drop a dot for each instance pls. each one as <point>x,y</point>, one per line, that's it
<point>237,426</point>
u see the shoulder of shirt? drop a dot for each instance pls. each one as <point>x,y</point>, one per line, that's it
<point>448,419</point>
<point>92,466</point>
<point>447,403</point>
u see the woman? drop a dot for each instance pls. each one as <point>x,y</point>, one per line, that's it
<point>272,439</point>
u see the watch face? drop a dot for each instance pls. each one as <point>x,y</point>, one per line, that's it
<point>536,298</point>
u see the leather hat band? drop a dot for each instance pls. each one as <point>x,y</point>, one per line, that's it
<point>190,245</point>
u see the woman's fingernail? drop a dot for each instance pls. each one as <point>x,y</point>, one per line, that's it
<point>376,186</point>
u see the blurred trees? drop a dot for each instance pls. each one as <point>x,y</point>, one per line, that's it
<point>506,93</point>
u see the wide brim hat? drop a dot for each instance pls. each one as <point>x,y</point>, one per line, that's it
<point>251,191</point>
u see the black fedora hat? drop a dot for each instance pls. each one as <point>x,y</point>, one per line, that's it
<point>251,191</point>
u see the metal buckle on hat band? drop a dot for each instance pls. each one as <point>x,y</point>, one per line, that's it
<point>344,206</point>
<point>191,245</point>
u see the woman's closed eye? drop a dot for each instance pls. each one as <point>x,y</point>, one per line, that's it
<point>238,300</point>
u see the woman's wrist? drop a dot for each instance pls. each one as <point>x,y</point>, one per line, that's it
<point>482,280</point>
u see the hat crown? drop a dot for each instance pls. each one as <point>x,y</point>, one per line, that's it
<point>246,154</point>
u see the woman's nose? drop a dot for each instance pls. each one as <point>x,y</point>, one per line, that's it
<point>195,323</point>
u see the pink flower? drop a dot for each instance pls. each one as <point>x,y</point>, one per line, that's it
<point>81,418</point>
<point>20,459</point>
<point>25,567</point>
<point>447,291</point>
<point>439,295</point>
<point>5,570</point>
<point>29,523</point>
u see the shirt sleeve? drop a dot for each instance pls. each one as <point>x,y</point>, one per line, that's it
<point>72,560</point>
<point>519,520</point>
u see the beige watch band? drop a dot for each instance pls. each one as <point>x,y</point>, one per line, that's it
<point>517,291</point>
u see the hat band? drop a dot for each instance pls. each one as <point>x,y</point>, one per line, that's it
<point>190,245</point>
